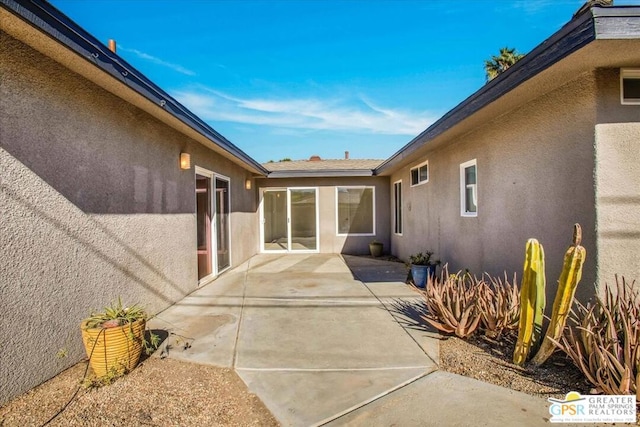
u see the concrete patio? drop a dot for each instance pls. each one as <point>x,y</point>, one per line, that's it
<point>321,339</point>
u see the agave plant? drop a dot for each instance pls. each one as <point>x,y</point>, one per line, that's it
<point>604,342</point>
<point>451,303</point>
<point>116,314</point>
<point>499,304</point>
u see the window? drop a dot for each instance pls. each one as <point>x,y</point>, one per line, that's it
<point>468,189</point>
<point>355,214</point>
<point>397,207</point>
<point>420,174</point>
<point>630,86</point>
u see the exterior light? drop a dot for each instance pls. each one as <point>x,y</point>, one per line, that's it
<point>185,161</point>
<point>247,184</point>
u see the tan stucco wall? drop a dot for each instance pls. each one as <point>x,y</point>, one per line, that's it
<point>330,242</point>
<point>92,206</point>
<point>535,179</point>
<point>617,138</point>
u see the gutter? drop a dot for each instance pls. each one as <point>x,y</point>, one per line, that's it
<point>50,21</point>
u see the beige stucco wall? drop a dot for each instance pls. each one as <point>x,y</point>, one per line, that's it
<point>535,170</point>
<point>617,140</point>
<point>330,241</point>
<point>92,206</point>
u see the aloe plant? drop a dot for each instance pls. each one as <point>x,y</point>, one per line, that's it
<point>116,315</point>
<point>451,303</point>
<point>604,340</point>
<point>567,284</point>
<point>532,302</point>
<point>499,304</point>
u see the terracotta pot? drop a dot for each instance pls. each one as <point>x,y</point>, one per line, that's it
<point>113,350</point>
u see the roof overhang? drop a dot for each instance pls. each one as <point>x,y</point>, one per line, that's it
<point>601,37</point>
<point>326,173</point>
<point>47,30</point>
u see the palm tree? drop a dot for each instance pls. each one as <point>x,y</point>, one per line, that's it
<point>499,64</point>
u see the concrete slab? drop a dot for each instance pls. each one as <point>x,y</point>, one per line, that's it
<point>294,285</point>
<point>319,346</point>
<point>324,337</point>
<point>444,399</point>
<point>308,398</point>
<point>370,270</point>
<point>203,326</point>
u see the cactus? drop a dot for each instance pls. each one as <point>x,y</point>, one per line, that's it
<point>567,284</point>
<point>532,301</point>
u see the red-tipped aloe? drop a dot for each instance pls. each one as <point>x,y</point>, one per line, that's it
<point>532,301</point>
<point>567,284</point>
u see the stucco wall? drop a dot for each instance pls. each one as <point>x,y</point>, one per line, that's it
<point>93,206</point>
<point>535,179</point>
<point>330,242</point>
<point>617,137</point>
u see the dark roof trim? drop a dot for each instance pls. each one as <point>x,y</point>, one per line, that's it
<point>327,173</point>
<point>46,18</point>
<point>574,35</point>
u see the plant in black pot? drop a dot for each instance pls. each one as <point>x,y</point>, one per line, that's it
<point>422,267</point>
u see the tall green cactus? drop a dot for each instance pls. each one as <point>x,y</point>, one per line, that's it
<point>532,301</point>
<point>567,284</point>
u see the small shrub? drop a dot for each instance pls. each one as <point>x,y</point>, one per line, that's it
<point>604,340</point>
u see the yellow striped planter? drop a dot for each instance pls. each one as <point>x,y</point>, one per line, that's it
<point>113,351</point>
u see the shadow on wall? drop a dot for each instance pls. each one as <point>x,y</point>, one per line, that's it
<point>88,242</point>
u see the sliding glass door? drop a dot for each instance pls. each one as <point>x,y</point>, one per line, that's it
<point>212,223</point>
<point>290,220</point>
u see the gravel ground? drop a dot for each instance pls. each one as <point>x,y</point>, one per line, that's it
<point>490,361</point>
<point>159,392</point>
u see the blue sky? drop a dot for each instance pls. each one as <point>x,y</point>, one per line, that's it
<point>296,78</point>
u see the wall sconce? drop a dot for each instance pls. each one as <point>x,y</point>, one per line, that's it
<point>185,161</point>
<point>247,184</point>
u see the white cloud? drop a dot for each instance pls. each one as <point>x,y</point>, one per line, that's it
<point>158,61</point>
<point>355,115</point>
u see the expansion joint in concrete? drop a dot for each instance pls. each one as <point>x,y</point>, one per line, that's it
<point>371,400</point>
<point>244,297</point>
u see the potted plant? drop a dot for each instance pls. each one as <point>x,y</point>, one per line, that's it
<point>114,339</point>
<point>376,248</point>
<point>422,267</point>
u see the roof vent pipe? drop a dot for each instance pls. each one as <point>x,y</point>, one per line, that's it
<point>112,45</point>
<point>346,155</point>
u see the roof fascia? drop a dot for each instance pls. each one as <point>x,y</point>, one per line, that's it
<point>328,173</point>
<point>574,35</point>
<point>50,21</point>
<point>620,22</point>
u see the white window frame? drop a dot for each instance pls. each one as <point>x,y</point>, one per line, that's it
<point>463,188</point>
<point>633,73</point>
<point>397,206</point>
<point>425,163</point>
<point>373,207</point>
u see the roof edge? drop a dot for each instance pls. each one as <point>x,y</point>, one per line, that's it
<point>326,173</point>
<point>574,35</point>
<point>52,22</point>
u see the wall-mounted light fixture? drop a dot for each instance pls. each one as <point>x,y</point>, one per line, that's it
<point>185,161</point>
<point>247,184</point>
